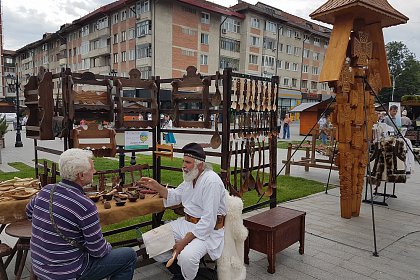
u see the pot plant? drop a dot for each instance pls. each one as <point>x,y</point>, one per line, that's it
<point>3,130</point>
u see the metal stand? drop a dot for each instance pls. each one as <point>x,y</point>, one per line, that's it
<point>329,173</point>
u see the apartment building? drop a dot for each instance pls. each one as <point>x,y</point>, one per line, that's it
<point>8,68</point>
<point>164,37</point>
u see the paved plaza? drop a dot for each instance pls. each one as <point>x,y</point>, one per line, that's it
<point>335,248</point>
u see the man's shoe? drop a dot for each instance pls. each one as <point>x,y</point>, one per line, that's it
<point>175,269</point>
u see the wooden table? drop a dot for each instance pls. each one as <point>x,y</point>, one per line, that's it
<point>14,210</point>
<point>274,230</point>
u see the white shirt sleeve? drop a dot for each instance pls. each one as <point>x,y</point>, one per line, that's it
<point>174,196</point>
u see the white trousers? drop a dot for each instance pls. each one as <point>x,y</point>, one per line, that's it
<point>189,259</point>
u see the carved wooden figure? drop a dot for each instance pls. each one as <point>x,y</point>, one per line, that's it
<point>350,64</point>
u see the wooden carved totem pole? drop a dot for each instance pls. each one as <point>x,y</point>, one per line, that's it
<point>355,59</point>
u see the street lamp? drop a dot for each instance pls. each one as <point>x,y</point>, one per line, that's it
<point>394,77</point>
<point>14,81</point>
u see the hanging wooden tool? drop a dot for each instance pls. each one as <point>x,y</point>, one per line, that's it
<point>189,82</point>
<point>217,97</point>
<point>130,108</point>
<point>258,183</point>
<point>216,140</point>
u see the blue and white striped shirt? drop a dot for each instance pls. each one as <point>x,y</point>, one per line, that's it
<point>77,218</point>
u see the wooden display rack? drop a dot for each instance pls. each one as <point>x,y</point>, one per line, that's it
<point>310,159</point>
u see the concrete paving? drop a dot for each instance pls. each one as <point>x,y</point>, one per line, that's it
<point>335,248</point>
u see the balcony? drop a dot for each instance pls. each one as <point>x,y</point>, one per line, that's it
<point>105,32</point>
<point>63,47</point>
<point>62,61</point>
<point>99,52</point>
<point>28,59</point>
<point>102,70</point>
<point>145,61</point>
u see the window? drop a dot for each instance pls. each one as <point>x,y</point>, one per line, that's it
<point>205,18</point>
<point>230,25</point>
<point>314,85</point>
<point>279,64</point>
<point>189,10</point>
<point>84,31</point>
<point>131,54</point>
<point>304,84</point>
<point>326,44</point>
<point>289,33</point>
<point>143,7</point>
<point>315,70</point>
<point>295,67</point>
<point>294,82</point>
<point>306,38</point>
<point>297,35</point>
<point>230,45</point>
<point>144,50</point>
<point>268,61</point>
<point>204,38</point>
<point>253,59</point>
<point>131,33</point>
<point>226,62</point>
<point>255,23</point>
<point>254,41</point>
<point>144,28</point>
<point>45,59</point>
<point>315,55</point>
<point>102,23</point>
<point>296,51</point>
<point>305,68</point>
<point>84,48</point>
<point>203,59</point>
<point>316,41</point>
<point>115,57</point>
<point>85,64</point>
<point>115,18</point>
<point>286,81</point>
<point>324,86</point>
<point>123,36</point>
<point>123,56</point>
<point>269,43</point>
<point>280,47</point>
<point>132,11</point>
<point>187,53</point>
<point>69,52</point>
<point>289,49</point>
<point>287,65</point>
<point>188,31</point>
<point>116,38</point>
<point>123,15</point>
<point>270,26</point>
<point>306,53</point>
<point>146,72</point>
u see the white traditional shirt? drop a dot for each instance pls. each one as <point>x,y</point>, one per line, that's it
<point>205,200</point>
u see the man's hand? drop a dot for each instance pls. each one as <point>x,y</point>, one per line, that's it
<point>180,245</point>
<point>152,184</point>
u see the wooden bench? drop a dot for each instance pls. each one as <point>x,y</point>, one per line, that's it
<point>274,230</point>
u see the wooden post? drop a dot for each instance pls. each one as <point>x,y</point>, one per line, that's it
<point>289,158</point>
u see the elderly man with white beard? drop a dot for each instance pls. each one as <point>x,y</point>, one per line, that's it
<point>203,196</point>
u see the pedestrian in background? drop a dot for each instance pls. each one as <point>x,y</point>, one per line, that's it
<point>286,126</point>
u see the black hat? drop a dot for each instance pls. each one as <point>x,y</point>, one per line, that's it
<point>195,151</point>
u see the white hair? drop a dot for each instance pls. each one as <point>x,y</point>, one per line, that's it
<point>73,162</point>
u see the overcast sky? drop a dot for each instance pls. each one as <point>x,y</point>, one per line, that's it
<point>25,21</point>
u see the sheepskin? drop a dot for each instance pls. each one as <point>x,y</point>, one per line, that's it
<point>230,266</point>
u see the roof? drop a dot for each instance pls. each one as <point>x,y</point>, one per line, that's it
<point>209,6</point>
<point>370,10</point>
<point>304,106</point>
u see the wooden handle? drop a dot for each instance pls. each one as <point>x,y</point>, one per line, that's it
<point>171,261</point>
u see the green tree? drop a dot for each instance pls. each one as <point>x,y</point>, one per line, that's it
<point>404,69</point>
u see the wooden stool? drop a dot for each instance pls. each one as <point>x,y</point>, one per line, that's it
<point>274,230</point>
<point>5,250</point>
<point>22,230</point>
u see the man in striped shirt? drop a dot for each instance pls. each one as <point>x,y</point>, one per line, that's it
<point>75,248</point>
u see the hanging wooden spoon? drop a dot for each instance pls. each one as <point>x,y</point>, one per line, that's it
<point>249,102</point>
<point>231,188</point>
<point>254,95</point>
<point>269,190</point>
<point>244,89</point>
<point>269,96</point>
<point>235,171</point>
<point>217,97</point>
<point>234,97</point>
<point>245,168</point>
<point>274,92</point>
<point>216,140</point>
<point>258,183</point>
<point>251,181</point>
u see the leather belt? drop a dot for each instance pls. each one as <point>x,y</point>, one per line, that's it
<point>220,222</point>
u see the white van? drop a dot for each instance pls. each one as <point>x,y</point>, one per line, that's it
<point>10,117</point>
